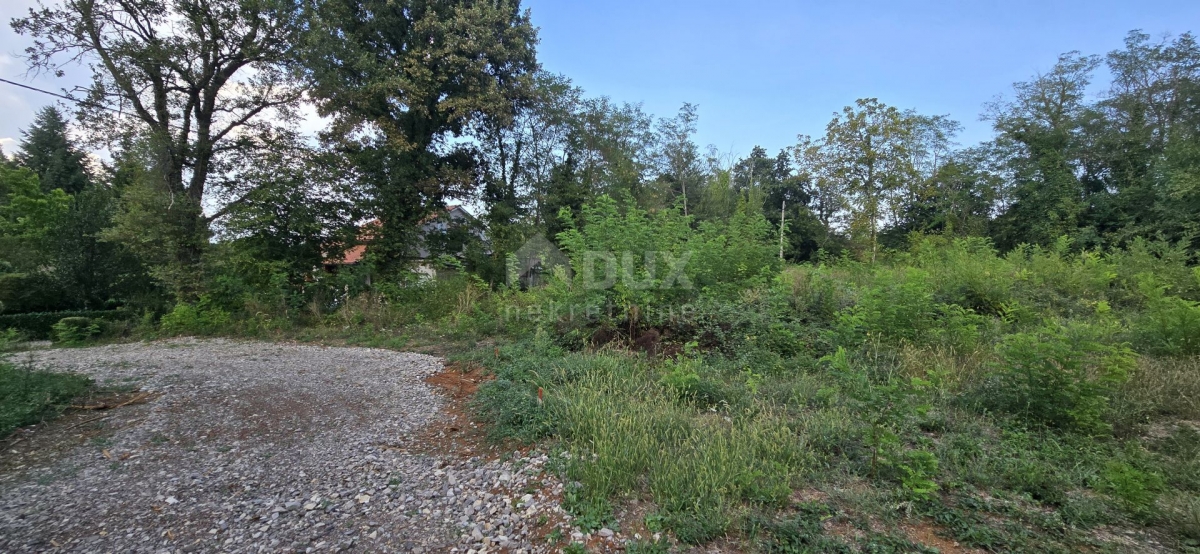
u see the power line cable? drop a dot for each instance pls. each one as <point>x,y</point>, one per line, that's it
<point>77,101</point>
<point>57,95</point>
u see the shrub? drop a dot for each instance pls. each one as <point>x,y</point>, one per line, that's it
<point>918,468</point>
<point>1056,278</point>
<point>818,293</point>
<point>202,318</point>
<point>512,411</point>
<point>900,307</point>
<point>1061,375</point>
<point>9,340</point>
<point>72,331</point>
<point>682,375</point>
<point>628,263</point>
<point>966,272</point>
<point>431,299</point>
<point>1169,325</point>
<point>1137,490</point>
<point>760,319</point>
<point>1170,264</point>
<point>40,325</point>
<point>30,292</point>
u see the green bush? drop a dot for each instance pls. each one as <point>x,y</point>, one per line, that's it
<point>202,318</point>
<point>817,293</point>
<point>512,411</point>
<point>1060,280</point>
<point>40,325</point>
<point>761,319</point>
<point>1168,325</point>
<point>1170,264</point>
<point>1061,376</point>
<point>967,272</point>
<point>1135,489</point>
<point>899,306</point>
<point>682,375</point>
<point>9,340</point>
<point>643,263</point>
<point>30,292</point>
<point>72,331</point>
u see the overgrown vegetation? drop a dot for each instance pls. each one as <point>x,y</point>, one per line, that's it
<point>819,351</point>
<point>1024,426</point>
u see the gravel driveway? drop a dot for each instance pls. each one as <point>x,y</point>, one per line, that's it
<point>256,447</point>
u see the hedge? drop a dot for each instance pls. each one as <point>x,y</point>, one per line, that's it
<point>37,325</point>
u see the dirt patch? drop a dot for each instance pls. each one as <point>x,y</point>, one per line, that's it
<point>457,434</point>
<point>459,382</point>
<point>805,496</point>
<point>842,528</point>
<point>930,535</point>
<point>631,518</point>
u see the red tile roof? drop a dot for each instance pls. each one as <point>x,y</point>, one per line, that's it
<point>366,232</point>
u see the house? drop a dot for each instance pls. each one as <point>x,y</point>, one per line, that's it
<point>532,264</point>
<point>444,231</point>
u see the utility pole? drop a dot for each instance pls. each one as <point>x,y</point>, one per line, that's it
<point>782,219</point>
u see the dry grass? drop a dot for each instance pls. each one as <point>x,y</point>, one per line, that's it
<point>1161,387</point>
<point>371,309</point>
<point>1183,511</point>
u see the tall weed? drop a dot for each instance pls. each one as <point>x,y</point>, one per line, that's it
<point>1061,375</point>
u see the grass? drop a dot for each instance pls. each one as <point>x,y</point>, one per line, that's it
<point>29,396</point>
<point>1161,387</point>
<point>721,451</point>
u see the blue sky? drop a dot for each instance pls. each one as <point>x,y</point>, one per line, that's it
<point>764,71</point>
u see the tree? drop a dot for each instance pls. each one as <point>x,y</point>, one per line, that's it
<point>826,191</point>
<point>52,238</point>
<point>1039,136</point>
<point>402,79</point>
<point>867,153</point>
<point>1145,142</point>
<point>52,155</point>
<point>956,200</point>
<point>680,157</point>
<point>200,77</point>
<point>614,148</point>
<point>519,164</point>
<point>91,272</point>
<point>759,170</point>
<point>518,160</point>
<point>786,199</point>
<point>29,212</point>
<point>28,218</point>
<point>300,210</point>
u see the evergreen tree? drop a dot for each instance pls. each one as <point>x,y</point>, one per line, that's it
<point>49,152</point>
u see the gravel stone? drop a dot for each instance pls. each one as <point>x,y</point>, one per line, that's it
<point>260,447</point>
